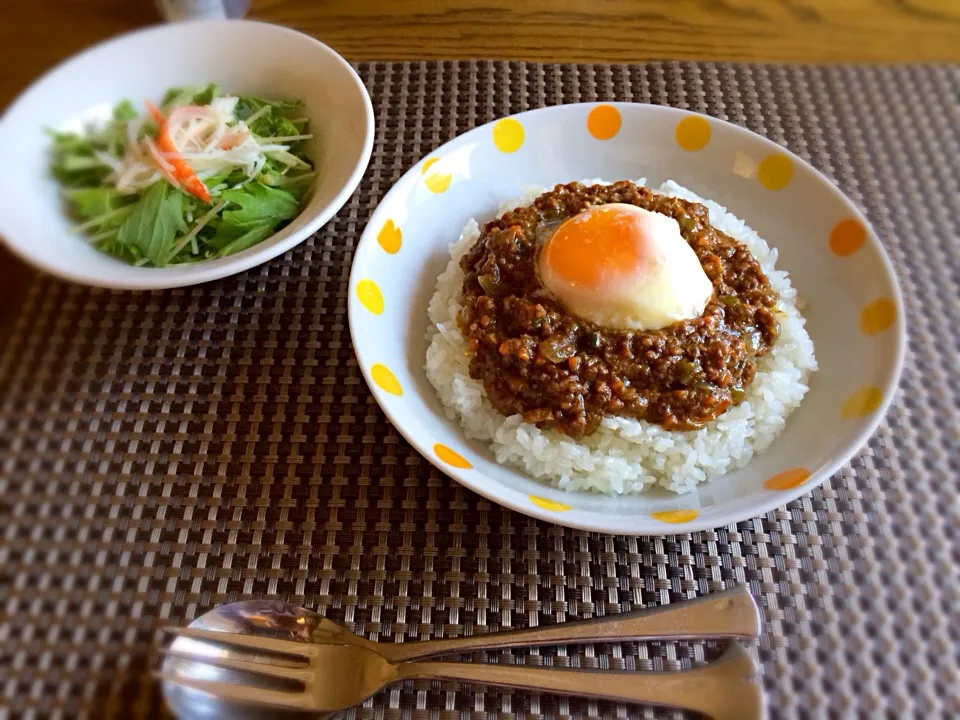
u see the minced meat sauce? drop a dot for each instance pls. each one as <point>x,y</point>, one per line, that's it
<point>562,372</point>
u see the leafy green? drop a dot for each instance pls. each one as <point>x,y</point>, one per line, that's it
<point>124,112</point>
<point>227,179</point>
<point>78,162</point>
<point>161,225</point>
<point>102,208</point>
<point>283,106</point>
<point>153,225</point>
<point>191,95</point>
<point>75,161</point>
<point>68,141</point>
<point>90,202</point>
<point>273,119</point>
<point>206,96</point>
<point>296,185</point>
<point>75,157</point>
<point>273,124</point>
<point>258,204</point>
<point>255,234</point>
<point>257,211</point>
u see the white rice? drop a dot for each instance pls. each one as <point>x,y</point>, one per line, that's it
<point>626,455</point>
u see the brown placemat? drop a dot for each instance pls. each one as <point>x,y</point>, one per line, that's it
<point>166,452</point>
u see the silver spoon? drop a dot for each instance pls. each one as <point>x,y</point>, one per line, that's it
<point>731,613</point>
<point>331,678</point>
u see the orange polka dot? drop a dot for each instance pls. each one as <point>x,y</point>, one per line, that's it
<point>508,135</point>
<point>693,133</point>
<point>370,296</point>
<point>550,504</point>
<point>794,477</point>
<point>675,517</point>
<point>775,171</point>
<point>390,237</point>
<point>878,316</point>
<point>450,457</point>
<point>385,379</point>
<point>863,402</point>
<point>847,237</point>
<point>604,122</point>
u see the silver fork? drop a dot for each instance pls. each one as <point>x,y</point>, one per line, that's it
<point>731,613</point>
<point>332,678</point>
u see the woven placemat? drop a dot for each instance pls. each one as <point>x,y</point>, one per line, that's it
<point>166,452</point>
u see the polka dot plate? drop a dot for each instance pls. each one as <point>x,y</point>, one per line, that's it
<point>851,299</point>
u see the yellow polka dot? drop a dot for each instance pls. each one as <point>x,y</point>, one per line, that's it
<point>390,237</point>
<point>693,133</point>
<point>847,237</point>
<point>878,316</point>
<point>435,182</point>
<point>370,296</point>
<point>675,517</point>
<point>775,171</point>
<point>604,122</point>
<point>450,457</point>
<point>438,182</point>
<point>550,504</point>
<point>863,402</point>
<point>385,379</point>
<point>508,135</point>
<point>794,477</point>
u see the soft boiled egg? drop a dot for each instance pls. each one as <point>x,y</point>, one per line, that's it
<point>621,266</point>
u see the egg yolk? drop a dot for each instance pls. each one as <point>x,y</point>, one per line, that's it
<point>622,266</point>
<point>589,249</point>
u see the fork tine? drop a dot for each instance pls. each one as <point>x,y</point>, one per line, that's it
<point>276,671</point>
<point>251,642</point>
<point>242,693</point>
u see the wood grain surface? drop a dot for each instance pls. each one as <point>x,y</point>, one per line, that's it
<point>630,30</point>
<point>36,34</point>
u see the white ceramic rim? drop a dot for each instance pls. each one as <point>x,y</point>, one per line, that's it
<point>765,501</point>
<point>203,271</point>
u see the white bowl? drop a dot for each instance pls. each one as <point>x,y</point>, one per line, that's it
<point>859,342</point>
<point>242,57</point>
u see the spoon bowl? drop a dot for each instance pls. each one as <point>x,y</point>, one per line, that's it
<point>249,617</point>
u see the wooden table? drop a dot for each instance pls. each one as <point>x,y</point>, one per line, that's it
<point>36,34</point>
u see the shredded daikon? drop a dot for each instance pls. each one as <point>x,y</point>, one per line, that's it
<point>208,137</point>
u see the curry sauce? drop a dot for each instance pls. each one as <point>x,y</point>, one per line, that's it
<point>559,371</point>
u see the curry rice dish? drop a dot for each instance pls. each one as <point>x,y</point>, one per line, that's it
<point>607,337</point>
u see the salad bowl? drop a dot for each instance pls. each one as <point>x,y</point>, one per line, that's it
<point>82,92</point>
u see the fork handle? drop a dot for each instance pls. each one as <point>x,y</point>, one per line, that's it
<point>727,689</point>
<point>727,614</point>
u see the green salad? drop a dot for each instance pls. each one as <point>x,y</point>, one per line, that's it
<point>203,175</point>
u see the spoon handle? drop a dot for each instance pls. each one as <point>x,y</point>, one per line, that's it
<point>728,689</point>
<point>730,613</point>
